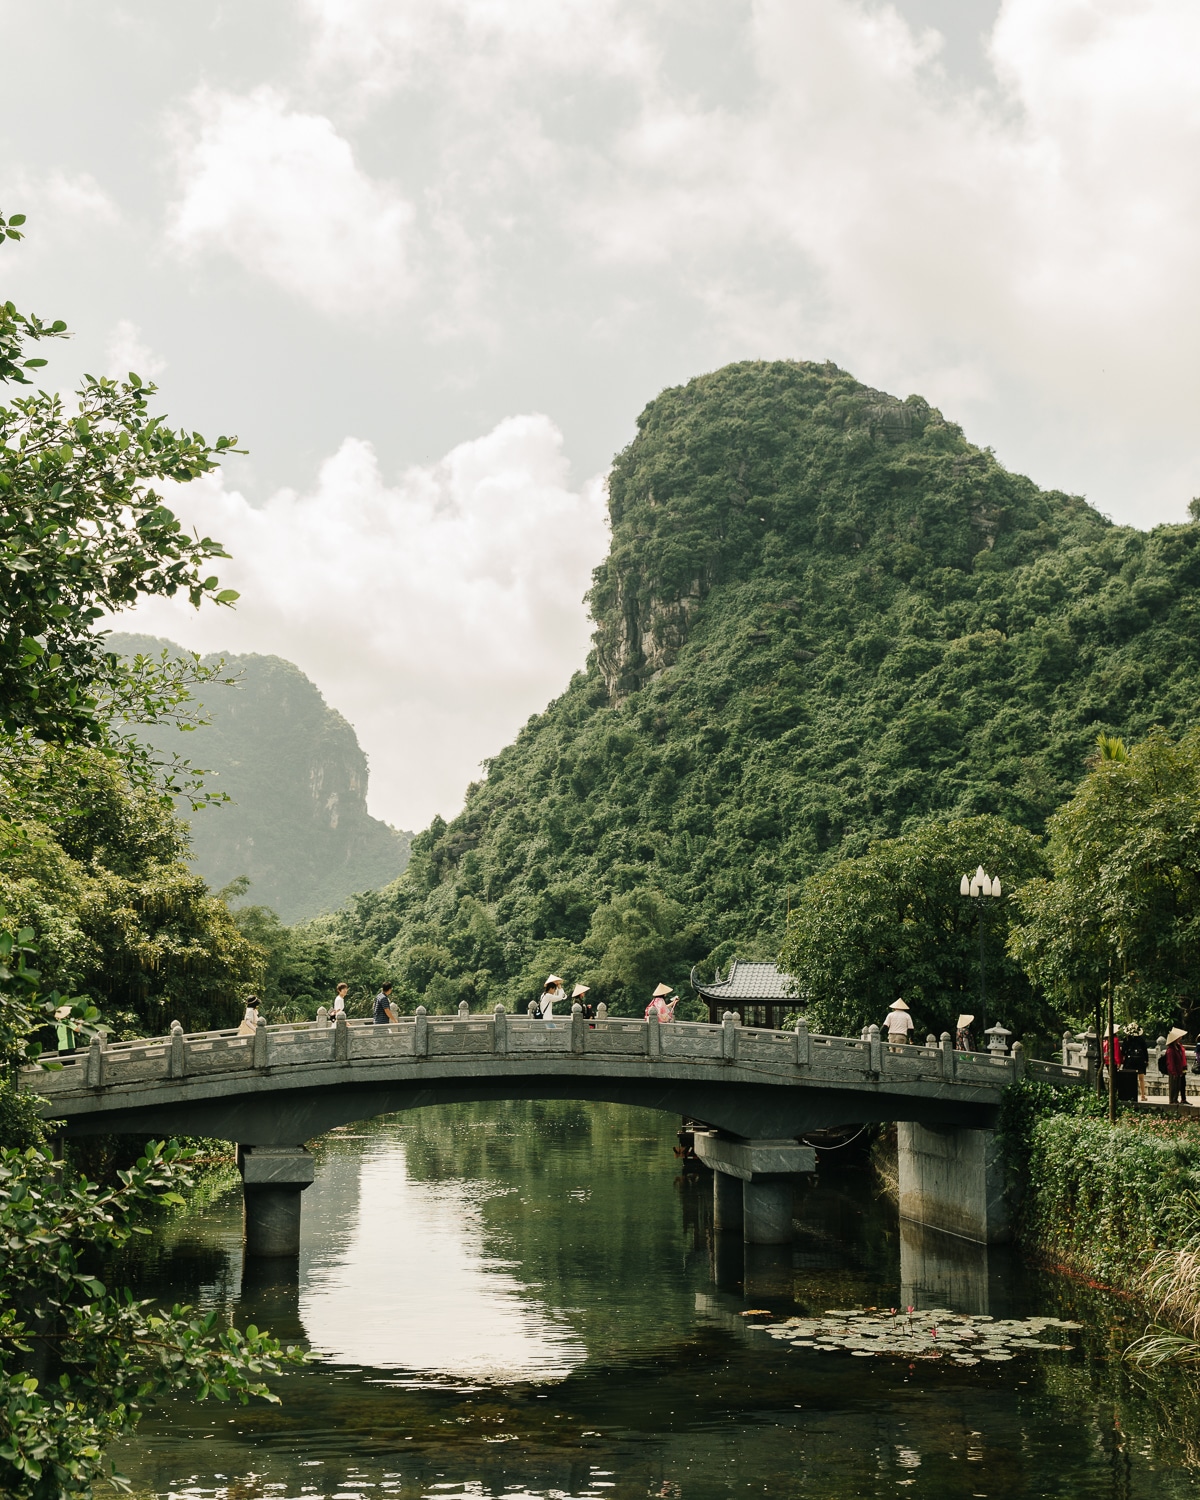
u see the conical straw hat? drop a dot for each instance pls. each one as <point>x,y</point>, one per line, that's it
<point>552,979</point>
<point>1176,1034</point>
<point>897,1005</point>
<point>963,1022</point>
<point>580,989</point>
<point>663,989</point>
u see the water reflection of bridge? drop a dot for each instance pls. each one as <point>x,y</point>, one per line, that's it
<point>758,1090</point>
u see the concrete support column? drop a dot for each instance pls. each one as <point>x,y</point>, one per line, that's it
<point>767,1210</point>
<point>727,1201</point>
<point>761,1173</point>
<point>273,1177</point>
<point>953,1179</point>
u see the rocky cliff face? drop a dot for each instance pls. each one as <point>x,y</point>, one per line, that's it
<point>297,823</point>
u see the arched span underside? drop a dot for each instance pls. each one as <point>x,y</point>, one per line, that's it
<point>740,1101</point>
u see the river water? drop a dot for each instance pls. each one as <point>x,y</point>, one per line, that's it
<point>513,1300</point>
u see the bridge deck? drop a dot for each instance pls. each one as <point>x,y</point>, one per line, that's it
<point>212,1079</point>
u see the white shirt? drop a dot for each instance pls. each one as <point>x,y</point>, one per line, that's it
<point>546,1004</point>
<point>898,1021</point>
<point>339,1003</point>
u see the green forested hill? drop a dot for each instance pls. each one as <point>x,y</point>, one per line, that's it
<point>825,616</point>
<point>297,823</point>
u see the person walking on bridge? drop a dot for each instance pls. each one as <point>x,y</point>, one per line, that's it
<point>249,1023</point>
<point>579,993</point>
<point>964,1040</point>
<point>662,1004</point>
<point>383,1005</point>
<point>897,1023</point>
<point>552,990</point>
<point>1175,1058</point>
<point>339,999</point>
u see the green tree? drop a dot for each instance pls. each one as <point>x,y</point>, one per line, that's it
<point>891,923</point>
<point>84,532</point>
<point>1123,898</point>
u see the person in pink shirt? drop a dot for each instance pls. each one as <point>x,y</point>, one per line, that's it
<point>660,1005</point>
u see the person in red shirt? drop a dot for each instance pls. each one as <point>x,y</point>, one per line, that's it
<point>1177,1064</point>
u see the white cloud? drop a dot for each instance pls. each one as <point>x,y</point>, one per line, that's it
<point>125,351</point>
<point>437,613</point>
<point>281,192</point>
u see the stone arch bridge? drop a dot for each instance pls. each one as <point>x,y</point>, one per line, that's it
<point>758,1091</point>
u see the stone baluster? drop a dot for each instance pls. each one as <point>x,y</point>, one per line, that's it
<point>653,1036</point>
<point>729,1036</point>
<point>874,1050</point>
<point>1067,1039</point>
<point>948,1060</point>
<point>1018,1057</point>
<point>341,1037</point>
<point>421,1033</point>
<point>322,1018</point>
<point>803,1044</point>
<point>177,1053</point>
<point>95,1061</point>
<point>464,1010</point>
<point>931,1040</point>
<point>260,1045</point>
<point>499,1031</point>
<point>602,1011</point>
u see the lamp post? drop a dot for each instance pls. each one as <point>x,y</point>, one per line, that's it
<point>980,886</point>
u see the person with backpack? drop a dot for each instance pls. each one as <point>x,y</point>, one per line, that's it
<point>552,990</point>
<point>1174,1063</point>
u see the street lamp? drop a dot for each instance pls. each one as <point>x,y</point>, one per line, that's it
<point>979,886</point>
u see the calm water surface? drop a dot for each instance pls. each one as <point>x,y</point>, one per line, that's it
<point>528,1300</point>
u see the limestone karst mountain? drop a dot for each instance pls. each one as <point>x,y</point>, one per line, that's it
<point>825,616</point>
<point>297,823</point>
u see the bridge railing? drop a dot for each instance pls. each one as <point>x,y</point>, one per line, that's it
<point>799,1054</point>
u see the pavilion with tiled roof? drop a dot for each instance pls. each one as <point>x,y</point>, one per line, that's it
<point>761,993</point>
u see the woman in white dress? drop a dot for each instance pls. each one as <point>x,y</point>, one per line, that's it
<point>250,1020</point>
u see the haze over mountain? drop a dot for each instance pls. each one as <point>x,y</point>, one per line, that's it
<point>297,824</point>
<point>825,617</point>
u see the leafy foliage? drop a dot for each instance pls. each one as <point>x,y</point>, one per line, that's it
<point>892,923</point>
<point>78,1362</point>
<point>1125,897</point>
<point>825,618</point>
<point>83,532</point>
<point>100,872</point>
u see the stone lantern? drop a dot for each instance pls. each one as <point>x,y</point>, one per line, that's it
<point>997,1036</point>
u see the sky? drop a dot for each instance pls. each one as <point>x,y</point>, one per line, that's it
<point>430,258</point>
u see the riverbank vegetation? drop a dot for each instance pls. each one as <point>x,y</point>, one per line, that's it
<point>89,845</point>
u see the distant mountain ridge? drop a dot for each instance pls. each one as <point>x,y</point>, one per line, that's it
<point>297,824</point>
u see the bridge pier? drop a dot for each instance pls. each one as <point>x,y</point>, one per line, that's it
<point>273,1178</point>
<point>952,1179</point>
<point>760,1174</point>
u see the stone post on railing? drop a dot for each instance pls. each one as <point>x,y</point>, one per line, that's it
<point>875,1050</point>
<point>421,1033</point>
<point>803,1044</point>
<point>95,1061</point>
<point>931,1040</point>
<point>578,1029</point>
<point>341,1037</point>
<point>464,1010</point>
<point>729,1036</point>
<point>178,1063</point>
<point>260,1044</point>
<point>602,1011</point>
<point>1067,1039</point>
<point>947,1046</point>
<point>322,1018</point>
<point>1018,1057</point>
<point>653,1036</point>
<point>499,1031</point>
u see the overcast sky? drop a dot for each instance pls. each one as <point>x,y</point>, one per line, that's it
<point>429,258</point>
